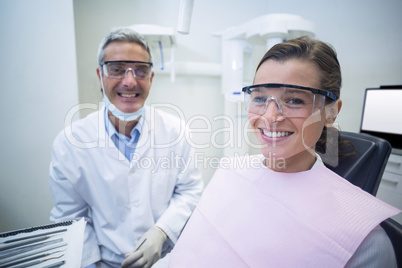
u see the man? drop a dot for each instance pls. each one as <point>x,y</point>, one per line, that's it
<point>126,168</point>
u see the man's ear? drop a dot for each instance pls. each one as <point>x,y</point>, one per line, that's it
<point>98,73</point>
<point>151,78</point>
<point>331,112</point>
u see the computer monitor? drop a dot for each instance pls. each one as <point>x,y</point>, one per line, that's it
<point>382,114</point>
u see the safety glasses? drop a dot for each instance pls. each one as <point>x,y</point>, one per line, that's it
<point>119,69</point>
<point>290,100</point>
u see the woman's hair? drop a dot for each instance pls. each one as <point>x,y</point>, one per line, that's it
<point>122,35</point>
<point>324,57</point>
<point>317,52</point>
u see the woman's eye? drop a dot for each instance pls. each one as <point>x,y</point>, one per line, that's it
<point>259,100</point>
<point>295,101</point>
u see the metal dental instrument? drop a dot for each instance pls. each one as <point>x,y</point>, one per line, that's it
<point>5,262</point>
<point>22,243</point>
<point>30,258</point>
<point>36,262</point>
<point>15,251</point>
<point>141,244</point>
<point>34,236</point>
<point>55,265</point>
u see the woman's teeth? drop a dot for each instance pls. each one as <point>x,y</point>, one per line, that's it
<point>128,95</point>
<point>276,134</point>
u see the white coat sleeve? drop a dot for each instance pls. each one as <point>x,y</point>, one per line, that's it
<point>69,205</point>
<point>187,192</point>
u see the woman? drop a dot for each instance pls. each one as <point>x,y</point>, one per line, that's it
<point>290,211</point>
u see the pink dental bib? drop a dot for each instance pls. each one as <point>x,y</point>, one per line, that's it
<point>262,218</point>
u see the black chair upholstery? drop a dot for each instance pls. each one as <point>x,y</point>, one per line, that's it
<point>394,232</point>
<point>365,161</point>
<point>364,166</point>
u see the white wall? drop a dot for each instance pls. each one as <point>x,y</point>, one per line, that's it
<point>38,85</point>
<point>365,33</point>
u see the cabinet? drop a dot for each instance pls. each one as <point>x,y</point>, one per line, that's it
<point>390,189</point>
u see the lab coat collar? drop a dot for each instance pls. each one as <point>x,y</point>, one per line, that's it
<point>111,130</point>
<point>106,142</point>
<point>144,121</point>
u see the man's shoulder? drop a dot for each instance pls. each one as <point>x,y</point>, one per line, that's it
<point>159,118</point>
<point>157,112</point>
<point>166,130</point>
<point>82,129</point>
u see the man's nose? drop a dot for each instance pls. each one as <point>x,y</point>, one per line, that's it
<point>129,79</point>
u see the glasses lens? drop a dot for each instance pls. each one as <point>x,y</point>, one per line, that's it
<point>288,101</point>
<point>256,101</point>
<point>118,70</point>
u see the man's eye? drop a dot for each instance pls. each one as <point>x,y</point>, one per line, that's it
<point>141,72</point>
<point>116,69</point>
<point>144,69</point>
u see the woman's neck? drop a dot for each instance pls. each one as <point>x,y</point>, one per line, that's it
<point>297,163</point>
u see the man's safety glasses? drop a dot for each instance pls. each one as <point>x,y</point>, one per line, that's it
<point>290,100</point>
<point>119,69</point>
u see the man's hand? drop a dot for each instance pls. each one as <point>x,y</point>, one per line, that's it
<point>147,251</point>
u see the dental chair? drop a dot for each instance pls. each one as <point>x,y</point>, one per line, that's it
<point>363,165</point>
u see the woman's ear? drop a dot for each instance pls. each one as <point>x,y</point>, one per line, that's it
<point>331,112</point>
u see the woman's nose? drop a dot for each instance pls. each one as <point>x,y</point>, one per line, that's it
<point>273,112</point>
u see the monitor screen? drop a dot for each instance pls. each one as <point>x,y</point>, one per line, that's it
<point>382,114</point>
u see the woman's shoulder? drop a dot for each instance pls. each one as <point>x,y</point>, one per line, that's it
<point>376,250</point>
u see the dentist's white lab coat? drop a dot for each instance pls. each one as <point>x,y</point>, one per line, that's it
<point>91,178</point>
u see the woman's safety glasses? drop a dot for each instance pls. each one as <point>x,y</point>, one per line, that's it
<point>290,100</point>
<point>119,69</point>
